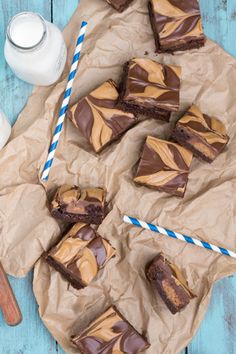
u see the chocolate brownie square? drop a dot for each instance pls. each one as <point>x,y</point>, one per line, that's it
<point>80,255</point>
<point>98,117</point>
<point>164,166</point>
<point>110,333</point>
<point>72,204</point>
<point>176,24</point>
<point>170,283</point>
<point>205,136</point>
<point>150,88</point>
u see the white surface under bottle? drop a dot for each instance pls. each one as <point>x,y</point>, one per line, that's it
<point>5,130</point>
<point>35,49</point>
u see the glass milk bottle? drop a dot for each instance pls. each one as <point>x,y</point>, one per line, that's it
<point>35,49</point>
<point>5,130</point>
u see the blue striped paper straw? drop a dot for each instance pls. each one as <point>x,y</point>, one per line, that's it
<point>65,103</point>
<point>193,241</point>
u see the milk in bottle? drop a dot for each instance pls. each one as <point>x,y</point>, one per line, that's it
<point>35,49</point>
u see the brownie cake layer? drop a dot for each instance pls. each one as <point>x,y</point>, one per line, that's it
<point>71,204</point>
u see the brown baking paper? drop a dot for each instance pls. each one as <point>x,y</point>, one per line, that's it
<point>206,212</point>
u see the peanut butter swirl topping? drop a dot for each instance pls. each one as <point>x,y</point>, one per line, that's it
<point>151,84</point>
<point>72,243</point>
<point>205,135</point>
<point>73,204</point>
<point>164,165</point>
<point>110,333</point>
<point>177,22</point>
<point>98,117</point>
<point>211,129</point>
<point>81,254</point>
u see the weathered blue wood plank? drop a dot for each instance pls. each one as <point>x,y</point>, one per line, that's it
<point>214,15</point>
<point>14,92</point>
<point>62,11</point>
<point>217,333</point>
<point>30,336</point>
<point>230,24</point>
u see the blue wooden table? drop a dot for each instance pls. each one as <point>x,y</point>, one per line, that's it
<point>217,334</point>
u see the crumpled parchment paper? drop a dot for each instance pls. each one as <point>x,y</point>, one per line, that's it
<point>206,212</point>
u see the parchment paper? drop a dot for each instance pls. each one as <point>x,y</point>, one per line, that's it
<point>207,211</point>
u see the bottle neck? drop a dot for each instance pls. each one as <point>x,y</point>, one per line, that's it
<point>27,32</point>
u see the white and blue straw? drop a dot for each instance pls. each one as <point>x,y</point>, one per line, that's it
<point>188,239</point>
<point>65,103</point>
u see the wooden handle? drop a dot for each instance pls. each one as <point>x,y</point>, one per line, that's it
<point>8,303</point>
